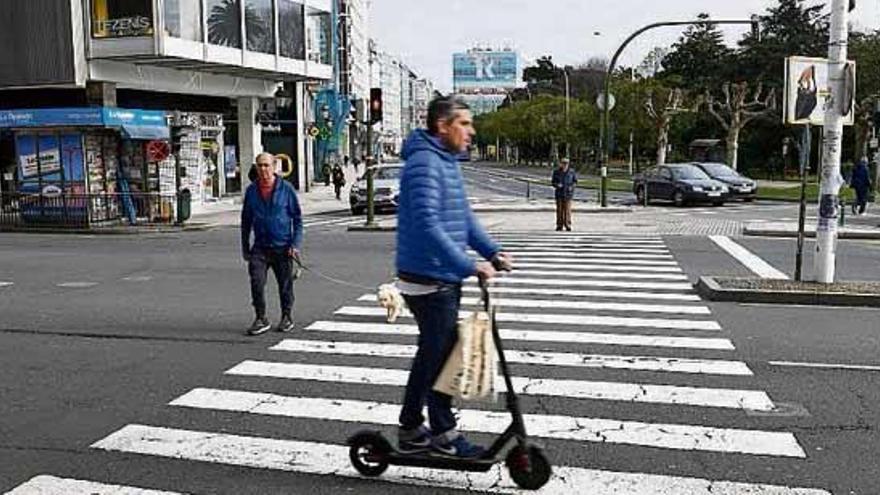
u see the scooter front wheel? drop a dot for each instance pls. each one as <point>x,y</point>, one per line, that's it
<point>369,455</point>
<point>528,467</point>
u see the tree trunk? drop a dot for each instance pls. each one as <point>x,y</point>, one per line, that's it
<point>733,147</point>
<point>662,144</point>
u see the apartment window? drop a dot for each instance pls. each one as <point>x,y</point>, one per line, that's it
<point>122,18</point>
<point>224,22</point>
<point>319,33</point>
<point>183,19</point>
<point>260,25</point>
<point>290,29</point>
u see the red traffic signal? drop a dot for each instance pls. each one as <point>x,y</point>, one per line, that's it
<point>375,105</point>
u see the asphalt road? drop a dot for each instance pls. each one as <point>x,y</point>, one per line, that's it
<point>103,332</point>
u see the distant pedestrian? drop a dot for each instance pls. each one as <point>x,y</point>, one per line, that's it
<point>861,184</point>
<point>326,171</point>
<point>271,211</point>
<point>564,182</point>
<point>338,180</point>
<point>346,161</point>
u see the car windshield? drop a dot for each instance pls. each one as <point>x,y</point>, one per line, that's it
<point>719,170</point>
<point>688,173</point>
<point>388,173</point>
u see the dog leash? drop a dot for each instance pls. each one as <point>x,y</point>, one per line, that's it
<point>328,278</point>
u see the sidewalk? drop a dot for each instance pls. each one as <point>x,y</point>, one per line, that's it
<point>856,227</point>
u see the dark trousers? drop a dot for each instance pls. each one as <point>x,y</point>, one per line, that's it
<point>563,213</point>
<point>437,317</point>
<point>338,188</point>
<point>861,199</point>
<point>258,268</point>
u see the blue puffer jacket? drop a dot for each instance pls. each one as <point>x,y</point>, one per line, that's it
<point>277,223</point>
<point>435,224</point>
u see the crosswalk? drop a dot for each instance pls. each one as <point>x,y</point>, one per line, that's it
<point>602,332</point>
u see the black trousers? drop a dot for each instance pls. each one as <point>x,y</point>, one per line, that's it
<point>258,269</point>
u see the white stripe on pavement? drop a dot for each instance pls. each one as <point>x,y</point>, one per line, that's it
<point>848,367</point>
<point>5,284</point>
<point>572,235</point>
<point>747,258</point>
<point>669,436</point>
<point>588,254</point>
<point>580,305</point>
<point>587,293</point>
<point>537,336</point>
<point>678,286</point>
<point>572,389</point>
<point>587,244</point>
<point>611,321</point>
<point>588,260</point>
<point>329,459</point>
<point>595,274</point>
<point>602,266</point>
<point>531,247</point>
<point>574,360</point>
<point>51,485</point>
<point>76,285</point>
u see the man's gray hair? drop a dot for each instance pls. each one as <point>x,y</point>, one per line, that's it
<point>444,108</point>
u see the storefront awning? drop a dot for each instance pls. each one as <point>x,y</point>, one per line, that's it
<point>135,124</point>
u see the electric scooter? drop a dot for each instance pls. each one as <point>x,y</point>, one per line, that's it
<point>371,453</point>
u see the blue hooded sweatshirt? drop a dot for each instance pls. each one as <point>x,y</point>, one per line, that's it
<point>435,224</point>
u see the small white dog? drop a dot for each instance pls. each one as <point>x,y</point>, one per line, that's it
<point>390,299</point>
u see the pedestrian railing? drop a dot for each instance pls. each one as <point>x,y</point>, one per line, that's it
<point>78,211</point>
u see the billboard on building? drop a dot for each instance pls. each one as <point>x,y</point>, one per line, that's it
<point>484,69</point>
<point>807,91</point>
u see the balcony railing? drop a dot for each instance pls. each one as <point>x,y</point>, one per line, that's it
<point>80,211</point>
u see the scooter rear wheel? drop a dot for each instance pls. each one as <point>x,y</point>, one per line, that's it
<point>369,455</point>
<point>528,467</point>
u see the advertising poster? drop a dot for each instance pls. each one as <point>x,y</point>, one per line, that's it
<point>807,91</point>
<point>485,69</point>
<point>230,160</point>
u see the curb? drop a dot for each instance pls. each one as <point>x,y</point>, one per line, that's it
<point>841,234</point>
<point>375,228</point>
<point>709,288</point>
<point>194,227</point>
<point>546,208</point>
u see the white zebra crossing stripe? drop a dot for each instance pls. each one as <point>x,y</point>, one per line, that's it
<point>572,389</point>
<point>5,284</point>
<point>588,254</point>
<point>589,244</point>
<point>51,485</point>
<point>668,436</point>
<point>320,458</point>
<point>588,260</point>
<point>537,336</point>
<point>531,247</point>
<point>580,305</point>
<point>574,360</point>
<point>747,258</point>
<point>602,266</point>
<point>560,319</point>
<point>678,286</point>
<point>654,296</point>
<point>599,274</point>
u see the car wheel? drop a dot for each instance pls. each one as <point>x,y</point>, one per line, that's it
<point>748,200</point>
<point>678,198</point>
<point>357,210</point>
<point>640,195</point>
<point>718,203</point>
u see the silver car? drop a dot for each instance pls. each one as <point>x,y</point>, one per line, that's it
<point>386,185</point>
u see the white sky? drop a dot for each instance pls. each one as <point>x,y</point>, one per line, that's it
<point>425,34</point>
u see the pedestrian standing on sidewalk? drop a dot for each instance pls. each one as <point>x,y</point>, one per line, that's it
<point>338,180</point>
<point>435,226</point>
<point>861,183</point>
<point>271,211</point>
<point>326,172</point>
<point>564,181</point>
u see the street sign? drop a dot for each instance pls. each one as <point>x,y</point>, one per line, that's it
<point>600,101</point>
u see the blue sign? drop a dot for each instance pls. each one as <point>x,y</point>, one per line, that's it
<point>485,70</point>
<point>137,124</point>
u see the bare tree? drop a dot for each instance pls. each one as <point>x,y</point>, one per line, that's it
<point>864,113</point>
<point>737,110</point>
<point>673,104</point>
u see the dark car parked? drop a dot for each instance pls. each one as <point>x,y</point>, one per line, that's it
<point>740,186</point>
<point>680,183</point>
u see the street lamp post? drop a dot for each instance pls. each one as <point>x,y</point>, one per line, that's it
<point>567,113</point>
<point>604,135</point>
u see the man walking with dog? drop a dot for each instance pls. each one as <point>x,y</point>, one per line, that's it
<point>271,211</point>
<point>435,226</point>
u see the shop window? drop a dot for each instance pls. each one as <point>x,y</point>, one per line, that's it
<point>319,34</point>
<point>224,22</point>
<point>122,18</point>
<point>291,29</point>
<point>183,19</point>
<point>260,25</point>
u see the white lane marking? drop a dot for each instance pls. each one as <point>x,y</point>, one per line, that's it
<point>631,340</point>
<point>581,305</point>
<point>676,286</point>
<point>588,260</point>
<point>679,437</point>
<point>850,367</point>
<point>574,360</point>
<point>51,485</point>
<point>335,221</point>
<point>747,258</point>
<point>587,293</point>
<point>6,284</point>
<point>571,235</point>
<point>611,321</point>
<point>595,274</point>
<point>144,278</point>
<point>588,254</point>
<point>587,244</point>
<point>531,247</point>
<point>76,285</point>
<point>601,266</point>
<point>329,459</point>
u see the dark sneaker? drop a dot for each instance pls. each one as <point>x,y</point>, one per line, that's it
<point>413,441</point>
<point>454,444</point>
<point>259,326</point>
<point>285,325</point>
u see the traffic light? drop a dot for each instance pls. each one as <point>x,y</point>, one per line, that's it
<point>375,105</point>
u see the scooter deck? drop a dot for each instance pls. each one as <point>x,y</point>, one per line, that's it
<point>440,461</point>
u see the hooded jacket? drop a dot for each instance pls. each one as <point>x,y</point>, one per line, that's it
<point>860,177</point>
<point>435,224</point>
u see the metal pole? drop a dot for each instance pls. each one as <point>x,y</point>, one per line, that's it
<point>804,160</point>
<point>567,114</point>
